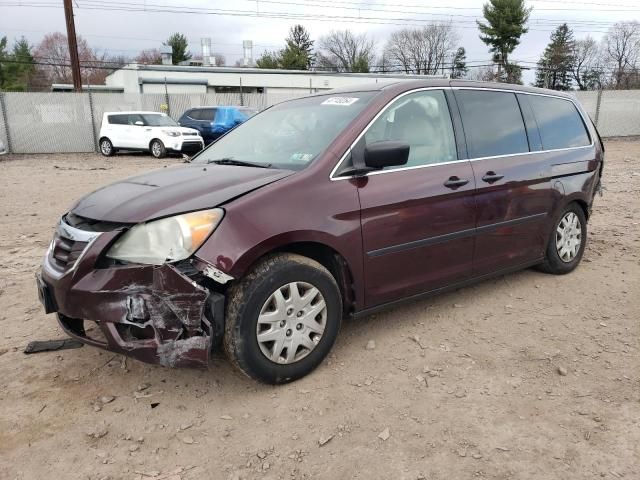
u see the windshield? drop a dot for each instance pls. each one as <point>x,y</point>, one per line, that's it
<point>159,120</point>
<point>291,134</point>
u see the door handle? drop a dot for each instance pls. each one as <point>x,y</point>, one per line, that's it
<point>491,177</point>
<point>455,182</point>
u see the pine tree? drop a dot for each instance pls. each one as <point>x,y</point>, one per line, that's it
<point>16,68</point>
<point>459,65</point>
<point>4,57</point>
<point>505,23</point>
<point>268,60</point>
<point>361,64</point>
<point>556,64</point>
<point>179,45</point>
<point>298,54</point>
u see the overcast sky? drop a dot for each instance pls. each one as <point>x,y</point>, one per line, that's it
<point>125,31</point>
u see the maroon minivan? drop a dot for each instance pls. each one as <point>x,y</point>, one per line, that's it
<point>323,207</point>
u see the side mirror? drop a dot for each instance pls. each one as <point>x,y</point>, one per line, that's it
<point>386,154</point>
<point>140,123</point>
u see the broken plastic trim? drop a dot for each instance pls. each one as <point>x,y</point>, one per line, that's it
<point>157,314</point>
<point>216,275</point>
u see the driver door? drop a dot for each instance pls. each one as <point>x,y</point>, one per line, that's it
<point>418,219</point>
<point>137,131</point>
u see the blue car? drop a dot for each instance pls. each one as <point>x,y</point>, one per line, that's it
<point>213,122</point>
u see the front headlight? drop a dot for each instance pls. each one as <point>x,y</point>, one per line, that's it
<point>166,240</point>
<point>171,133</point>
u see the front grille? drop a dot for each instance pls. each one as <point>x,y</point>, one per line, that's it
<point>186,134</point>
<point>65,252</point>
<point>191,147</point>
<point>68,245</point>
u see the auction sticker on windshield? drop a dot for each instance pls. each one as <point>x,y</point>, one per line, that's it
<point>343,101</point>
<point>301,157</point>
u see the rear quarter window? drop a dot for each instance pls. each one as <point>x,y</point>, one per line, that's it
<point>117,119</point>
<point>193,114</point>
<point>559,123</point>
<point>207,114</point>
<point>493,124</point>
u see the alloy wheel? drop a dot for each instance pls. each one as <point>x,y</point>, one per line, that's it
<point>568,237</point>
<point>291,322</point>
<point>156,149</point>
<point>106,147</point>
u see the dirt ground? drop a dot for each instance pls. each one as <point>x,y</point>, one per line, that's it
<point>529,376</point>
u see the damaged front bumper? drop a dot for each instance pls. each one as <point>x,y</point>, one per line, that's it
<point>160,314</point>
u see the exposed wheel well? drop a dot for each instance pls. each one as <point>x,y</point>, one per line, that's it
<point>104,138</point>
<point>153,140</point>
<point>583,205</point>
<point>332,261</point>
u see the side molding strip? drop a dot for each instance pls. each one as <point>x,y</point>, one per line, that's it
<point>453,236</point>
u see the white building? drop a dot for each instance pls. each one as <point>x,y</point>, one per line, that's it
<point>135,78</point>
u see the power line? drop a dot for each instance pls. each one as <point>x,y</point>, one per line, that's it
<point>314,3</point>
<point>276,15</point>
<point>449,7</point>
<point>447,66</point>
<point>157,40</point>
<point>96,61</point>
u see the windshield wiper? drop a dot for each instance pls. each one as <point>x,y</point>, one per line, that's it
<point>240,163</point>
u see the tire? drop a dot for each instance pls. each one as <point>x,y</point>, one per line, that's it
<point>106,147</point>
<point>249,318</point>
<point>559,261</point>
<point>157,149</point>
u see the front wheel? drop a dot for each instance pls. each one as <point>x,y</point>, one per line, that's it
<point>567,243</point>
<point>106,147</point>
<point>282,318</point>
<point>157,149</point>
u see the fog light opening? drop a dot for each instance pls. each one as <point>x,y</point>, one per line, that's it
<point>134,333</point>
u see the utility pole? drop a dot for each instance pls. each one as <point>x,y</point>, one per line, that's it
<point>73,45</point>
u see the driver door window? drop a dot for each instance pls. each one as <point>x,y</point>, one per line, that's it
<point>133,118</point>
<point>422,120</point>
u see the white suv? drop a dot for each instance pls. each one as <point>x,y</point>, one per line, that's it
<point>149,131</point>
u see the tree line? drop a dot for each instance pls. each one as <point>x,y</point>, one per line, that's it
<point>36,67</point>
<point>586,64</point>
<point>566,62</point>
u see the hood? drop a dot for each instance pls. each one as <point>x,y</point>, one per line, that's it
<point>173,190</point>
<point>184,130</point>
<point>176,128</point>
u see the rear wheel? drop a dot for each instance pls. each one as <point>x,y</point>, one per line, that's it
<point>567,243</point>
<point>282,319</point>
<point>157,149</point>
<point>106,147</point>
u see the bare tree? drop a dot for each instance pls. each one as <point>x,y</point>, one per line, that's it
<point>482,74</point>
<point>621,49</point>
<point>151,56</point>
<point>424,50</point>
<point>52,54</point>
<point>586,68</point>
<point>343,51</point>
<point>385,64</point>
<point>96,70</point>
<point>221,61</point>
<point>401,49</point>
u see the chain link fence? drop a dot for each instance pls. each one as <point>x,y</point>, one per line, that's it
<point>58,122</point>
<point>65,122</point>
